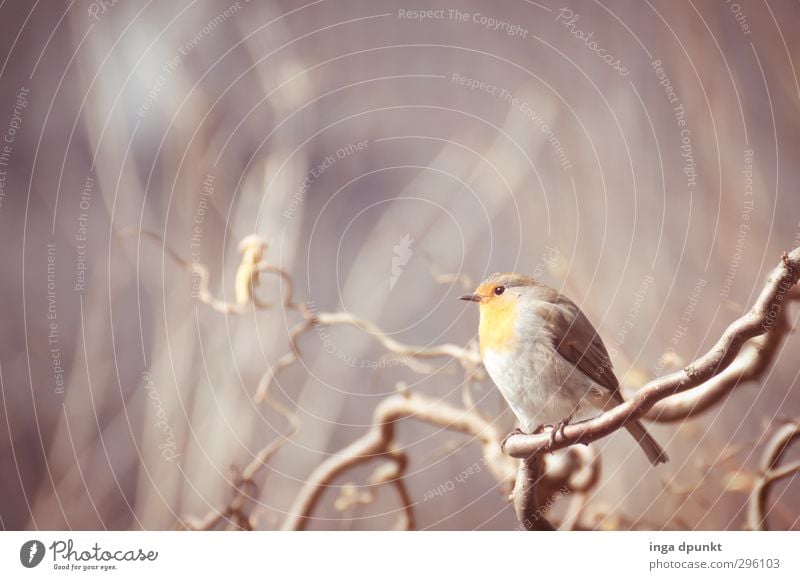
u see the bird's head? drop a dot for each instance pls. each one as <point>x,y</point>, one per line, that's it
<point>501,290</point>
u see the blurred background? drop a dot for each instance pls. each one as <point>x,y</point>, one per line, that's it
<point>640,158</point>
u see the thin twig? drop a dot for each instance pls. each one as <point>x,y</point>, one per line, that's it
<point>752,364</point>
<point>204,294</point>
<point>771,473</point>
<point>760,319</point>
<point>377,443</point>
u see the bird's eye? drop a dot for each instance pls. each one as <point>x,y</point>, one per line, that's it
<point>498,290</point>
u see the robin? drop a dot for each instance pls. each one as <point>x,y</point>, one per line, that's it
<point>546,357</point>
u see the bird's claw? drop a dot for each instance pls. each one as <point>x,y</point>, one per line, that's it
<point>563,423</point>
<point>555,429</point>
<point>516,431</point>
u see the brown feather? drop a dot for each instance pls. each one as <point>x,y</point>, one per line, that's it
<point>577,341</point>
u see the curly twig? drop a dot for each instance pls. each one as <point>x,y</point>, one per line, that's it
<point>378,443</point>
<point>204,294</point>
<point>668,398</point>
<point>771,473</point>
<point>528,504</point>
<point>390,344</point>
<point>468,357</point>
<point>762,318</point>
<point>244,484</point>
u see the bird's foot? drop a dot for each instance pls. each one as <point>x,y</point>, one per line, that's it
<point>555,429</point>
<point>562,424</point>
<point>516,431</point>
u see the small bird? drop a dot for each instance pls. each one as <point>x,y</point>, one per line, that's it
<point>546,357</point>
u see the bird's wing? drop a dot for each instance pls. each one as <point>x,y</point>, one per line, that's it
<point>577,341</point>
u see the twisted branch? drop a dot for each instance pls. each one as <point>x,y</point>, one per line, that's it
<point>378,443</point>
<point>752,364</point>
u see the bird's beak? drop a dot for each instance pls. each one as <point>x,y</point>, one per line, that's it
<point>471,297</point>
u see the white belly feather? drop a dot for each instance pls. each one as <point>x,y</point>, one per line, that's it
<point>539,385</point>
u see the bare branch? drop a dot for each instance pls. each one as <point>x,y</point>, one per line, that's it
<point>285,361</point>
<point>538,486</point>
<point>244,484</point>
<point>204,295</point>
<point>390,344</point>
<point>449,278</point>
<point>752,363</point>
<point>392,473</point>
<point>468,357</point>
<point>377,443</point>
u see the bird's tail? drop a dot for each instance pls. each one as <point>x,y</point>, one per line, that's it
<point>652,449</point>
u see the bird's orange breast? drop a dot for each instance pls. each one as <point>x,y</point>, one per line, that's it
<point>497,330</point>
